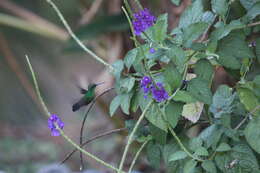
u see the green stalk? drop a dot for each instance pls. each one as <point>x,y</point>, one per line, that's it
<point>131,136</point>
<point>137,155</point>
<point>66,25</point>
<point>182,146</point>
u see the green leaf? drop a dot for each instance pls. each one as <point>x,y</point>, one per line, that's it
<point>115,103</point>
<point>247,4</point>
<point>232,49</point>
<point>223,161</point>
<point>158,134</point>
<point>192,111</point>
<point>247,160</point>
<point>179,155</point>
<point>158,32</point>
<point>118,68</point>
<point>189,166</point>
<point>127,84</point>
<point>195,143</point>
<point>169,149</point>
<point>223,30</point>
<point>199,89</point>
<point>223,147</point>
<point>177,56</point>
<point>252,133</point>
<point>209,166</point>
<point>257,49</point>
<point>211,135</point>
<point>176,2</point>
<point>155,116</point>
<point>184,96</point>
<point>173,112</point>
<point>103,25</point>
<point>161,26</point>
<point>135,100</point>
<point>208,17</point>
<point>172,76</point>
<point>254,11</point>
<point>201,151</point>
<point>204,69</point>
<point>193,32</point>
<point>153,154</point>
<point>222,101</point>
<point>130,57</point>
<point>248,98</point>
<point>192,14</point>
<point>125,102</point>
<point>220,7</point>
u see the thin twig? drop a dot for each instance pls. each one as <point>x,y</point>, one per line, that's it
<point>131,136</point>
<point>182,146</point>
<point>204,35</point>
<point>137,155</point>
<point>65,23</point>
<point>91,140</point>
<point>83,123</point>
<point>253,24</point>
<point>48,114</point>
<point>247,115</point>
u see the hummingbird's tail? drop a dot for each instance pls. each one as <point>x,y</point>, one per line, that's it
<point>76,107</point>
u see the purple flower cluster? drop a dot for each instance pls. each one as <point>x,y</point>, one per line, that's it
<point>158,92</point>
<point>52,122</point>
<point>142,21</point>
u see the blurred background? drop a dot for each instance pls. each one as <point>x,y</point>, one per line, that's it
<point>29,27</point>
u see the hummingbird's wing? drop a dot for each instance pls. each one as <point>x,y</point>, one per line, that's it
<point>83,91</point>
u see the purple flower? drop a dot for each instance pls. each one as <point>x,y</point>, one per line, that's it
<point>142,21</point>
<point>145,84</point>
<point>159,93</point>
<point>53,122</point>
<point>152,50</point>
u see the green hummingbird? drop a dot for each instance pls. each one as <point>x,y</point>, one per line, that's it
<point>88,97</point>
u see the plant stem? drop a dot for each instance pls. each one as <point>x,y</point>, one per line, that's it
<point>253,24</point>
<point>131,137</point>
<point>48,114</point>
<point>97,58</point>
<point>182,146</point>
<point>90,140</point>
<point>137,155</point>
<point>247,115</point>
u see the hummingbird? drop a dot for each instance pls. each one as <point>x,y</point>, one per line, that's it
<point>88,97</point>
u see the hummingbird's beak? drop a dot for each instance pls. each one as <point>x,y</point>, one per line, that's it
<point>100,83</point>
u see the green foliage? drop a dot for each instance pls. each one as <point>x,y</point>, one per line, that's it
<point>251,133</point>
<point>192,14</point>
<point>222,101</point>
<point>199,128</point>
<point>176,2</point>
<point>199,89</point>
<point>220,7</point>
